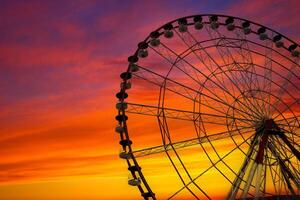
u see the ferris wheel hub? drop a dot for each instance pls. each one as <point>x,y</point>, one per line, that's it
<point>269,126</point>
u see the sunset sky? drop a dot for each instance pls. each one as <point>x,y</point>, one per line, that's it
<point>59,72</point>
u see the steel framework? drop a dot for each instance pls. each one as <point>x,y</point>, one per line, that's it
<point>238,79</point>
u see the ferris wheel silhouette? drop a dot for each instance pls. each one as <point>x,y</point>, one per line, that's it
<point>237,81</point>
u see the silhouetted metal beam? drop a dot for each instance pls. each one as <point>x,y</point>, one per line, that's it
<point>183,144</point>
<point>180,114</point>
<point>288,143</point>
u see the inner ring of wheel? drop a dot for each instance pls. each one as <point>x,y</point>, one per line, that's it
<point>232,112</point>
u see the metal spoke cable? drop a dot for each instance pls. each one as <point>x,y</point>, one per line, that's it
<point>187,143</point>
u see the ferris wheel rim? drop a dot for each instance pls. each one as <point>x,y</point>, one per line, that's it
<point>220,15</point>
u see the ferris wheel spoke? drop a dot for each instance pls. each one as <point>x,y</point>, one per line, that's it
<point>285,171</point>
<point>291,146</point>
<point>279,179</point>
<point>258,91</point>
<point>244,50</point>
<point>177,62</point>
<point>211,105</point>
<point>267,79</point>
<point>187,143</point>
<point>281,112</point>
<point>242,47</point>
<point>213,165</point>
<point>253,73</point>
<point>287,81</point>
<point>262,98</point>
<point>223,46</point>
<point>227,57</point>
<point>293,137</point>
<point>176,113</point>
<point>219,157</point>
<point>164,82</point>
<point>180,89</point>
<point>283,158</point>
<point>293,119</point>
<point>273,173</point>
<point>166,129</point>
<point>282,150</point>
<point>191,42</point>
<point>181,178</point>
<point>212,62</point>
<point>287,107</point>
<point>290,132</point>
<point>216,97</point>
<point>294,61</point>
<point>165,54</point>
<point>194,46</point>
<point>191,71</point>
<point>213,74</point>
<point>223,109</point>
<point>292,129</point>
<point>249,51</point>
<point>267,86</point>
<point>236,186</point>
<point>291,126</point>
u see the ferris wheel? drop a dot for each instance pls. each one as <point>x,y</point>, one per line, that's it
<point>221,90</point>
